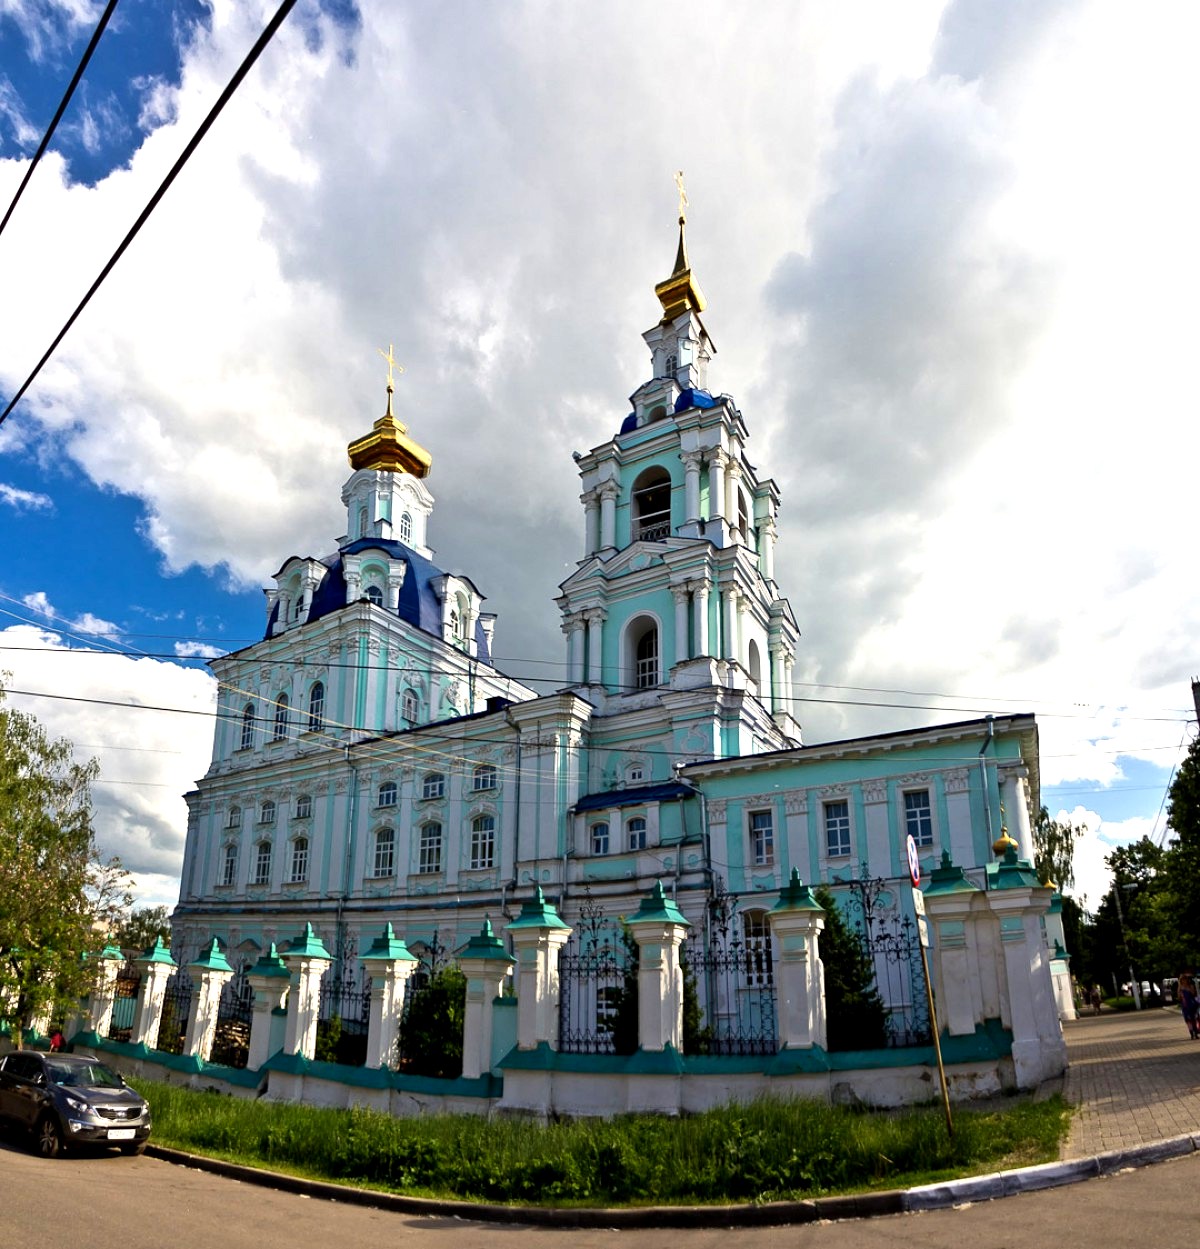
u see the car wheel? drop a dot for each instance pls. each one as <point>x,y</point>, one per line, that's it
<point>133,1148</point>
<point>48,1137</point>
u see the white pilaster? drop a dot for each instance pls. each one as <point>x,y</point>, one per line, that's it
<point>680,594</point>
<point>700,598</point>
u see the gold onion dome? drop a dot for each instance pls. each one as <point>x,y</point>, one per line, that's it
<point>386,447</point>
<point>680,292</point>
<point>1003,843</point>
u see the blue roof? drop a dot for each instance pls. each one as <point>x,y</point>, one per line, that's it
<point>419,604</point>
<point>694,399</point>
<point>628,424</point>
<point>634,797</point>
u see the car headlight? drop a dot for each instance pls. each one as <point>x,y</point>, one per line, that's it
<point>79,1107</point>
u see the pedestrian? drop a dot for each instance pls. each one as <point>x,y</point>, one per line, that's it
<point>1189,1003</point>
<point>1094,998</point>
<point>56,1041</point>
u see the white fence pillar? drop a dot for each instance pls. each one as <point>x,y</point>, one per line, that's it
<point>659,928</point>
<point>213,973</point>
<point>390,965</point>
<point>269,981</point>
<point>156,965</point>
<point>104,992</point>
<point>307,960</point>
<point>485,963</point>
<point>796,922</point>
<point>538,935</point>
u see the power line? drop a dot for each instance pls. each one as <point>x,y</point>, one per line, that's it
<point>37,156</point>
<point>245,67</point>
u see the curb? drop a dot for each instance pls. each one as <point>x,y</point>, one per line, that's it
<point>767,1214</point>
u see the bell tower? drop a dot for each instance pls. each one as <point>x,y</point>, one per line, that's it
<point>673,612</point>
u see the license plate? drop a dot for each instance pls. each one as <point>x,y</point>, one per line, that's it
<point>120,1134</point>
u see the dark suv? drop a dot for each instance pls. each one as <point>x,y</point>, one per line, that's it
<point>65,1100</point>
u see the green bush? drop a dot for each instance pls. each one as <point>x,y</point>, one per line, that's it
<point>855,1017</point>
<point>431,1031</point>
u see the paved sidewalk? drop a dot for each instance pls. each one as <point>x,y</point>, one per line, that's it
<point>1135,1078</point>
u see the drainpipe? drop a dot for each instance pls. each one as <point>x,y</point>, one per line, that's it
<point>512,724</point>
<point>351,821</point>
<point>987,802</point>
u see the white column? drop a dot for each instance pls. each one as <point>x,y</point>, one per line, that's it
<point>700,598</point>
<point>691,484</point>
<point>389,988</point>
<point>733,474</point>
<point>156,968</point>
<point>608,514</point>
<point>659,930</point>
<point>796,923</point>
<point>716,483</point>
<point>767,533</point>
<point>778,698</point>
<point>307,962</point>
<point>591,510</point>
<point>538,935</point>
<point>1014,793</point>
<point>573,626</point>
<point>730,593</point>
<point>680,594</point>
<point>395,581</point>
<point>485,964</point>
<point>206,1001</point>
<point>595,621</point>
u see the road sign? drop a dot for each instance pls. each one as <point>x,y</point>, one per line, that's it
<point>914,862</point>
<point>923,931</point>
<point>918,902</point>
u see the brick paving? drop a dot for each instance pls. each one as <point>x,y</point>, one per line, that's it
<point>1134,1078</point>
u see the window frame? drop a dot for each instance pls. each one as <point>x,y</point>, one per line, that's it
<point>387,794</point>
<point>298,864</point>
<point>383,864</point>
<point>234,819</point>
<point>433,786</point>
<point>316,707</point>
<point>762,837</point>
<point>282,707</point>
<point>262,863</point>
<point>304,806</point>
<point>483,843</point>
<point>248,718</point>
<point>483,778</point>
<point>410,706</point>
<point>923,835</point>
<point>841,827</point>
<point>600,837</point>
<point>268,812</point>
<point>229,865</point>
<point>430,845</point>
<point>641,833</point>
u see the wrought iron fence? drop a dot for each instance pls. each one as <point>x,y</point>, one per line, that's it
<point>890,940</point>
<point>125,991</point>
<point>177,1006</point>
<point>231,1041</point>
<point>729,973</point>
<point>343,1019</point>
<point>430,1038</point>
<point>597,985</point>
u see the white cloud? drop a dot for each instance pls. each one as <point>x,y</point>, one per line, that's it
<point>30,499</point>
<point>197,650</point>
<point>93,626</point>
<point>1092,878</point>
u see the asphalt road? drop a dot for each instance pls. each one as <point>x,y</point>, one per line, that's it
<point>111,1202</point>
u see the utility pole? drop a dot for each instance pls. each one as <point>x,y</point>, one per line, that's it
<point>1133,984</point>
<point>1196,696</point>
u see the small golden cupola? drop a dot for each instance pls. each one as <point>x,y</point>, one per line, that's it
<point>386,448</point>
<point>680,292</point>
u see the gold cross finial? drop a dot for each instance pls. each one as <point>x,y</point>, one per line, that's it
<point>683,199</point>
<point>391,363</point>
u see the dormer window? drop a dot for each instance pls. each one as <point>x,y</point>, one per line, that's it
<point>373,594</point>
<point>406,528</point>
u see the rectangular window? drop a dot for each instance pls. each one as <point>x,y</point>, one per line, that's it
<point>918,818</point>
<point>599,838</point>
<point>429,861</point>
<point>262,863</point>
<point>483,843</point>
<point>636,833</point>
<point>385,852</point>
<point>433,785</point>
<point>229,866</point>
<point>299,871</point>
<point>762,838</point>
<point>484,778</point>
<point>837,829</point>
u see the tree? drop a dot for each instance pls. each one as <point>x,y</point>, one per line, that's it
<point>1054,849</point>
<point>1181,867</point>
<point>431,1029</point>
<point>142,927</point>
<point>855,1018</point>
<point>58,899</point>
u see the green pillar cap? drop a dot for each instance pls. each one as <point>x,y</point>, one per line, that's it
<point>1015,873</point>
<point>270,964</point>
<point>389,948</point>
<point>485,944</point>
<point>948,878</point>
<point>112,953</point>
<point>657,907</point>
<point>538,913</point>
<point>157,953</point>
<point>308,945</point>
<point>212,959</point>
<point>796,896</point>
<point>1059,952</point>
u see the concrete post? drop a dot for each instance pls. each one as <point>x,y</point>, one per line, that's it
<point>212,974</point>
<point>796,922</point>
<point>269,980</point>
<point>307,961</point>
<point>538,934</point>
<point>952,908</point>
<point>390,964</point>
<point>157,965</point>
<point>659,928</point>
<point>485,964</point>
<point>104,994</point>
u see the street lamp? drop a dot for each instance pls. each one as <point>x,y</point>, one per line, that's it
<point>1137,997</point>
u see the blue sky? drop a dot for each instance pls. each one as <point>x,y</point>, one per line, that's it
<point>947,269</point>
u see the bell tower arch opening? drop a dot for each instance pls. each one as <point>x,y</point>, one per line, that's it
<point>651,519</point>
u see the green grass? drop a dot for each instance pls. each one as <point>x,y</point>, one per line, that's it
<point>769,1150</point>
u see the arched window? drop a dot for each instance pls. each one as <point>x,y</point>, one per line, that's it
<point>433,785</point>
<point>429,852</point>
<point>247,727</point>
<point>362,522</point>
<point>229,866</point>
<point>235,818</point>
<point>757,934</point>
<point>635,831</point>
<point>262,863</point>
<point>387,794</point>
<point>652,506</point>
<point>600,838</point>
<point>304,807</point>
<point>281,718</point>
<point>409,707</point>
<point>754,660</point>
<point>672,365</point>
<point>385,852</point>
<point>483,842</point>
<point>645,657</point>
<point>454,622</point>
<point>267,814</point>
<point>316,707</point>
<point>484,778</point>
<point>299,868</point>
<point>374,595</point>
<point>406,527</point>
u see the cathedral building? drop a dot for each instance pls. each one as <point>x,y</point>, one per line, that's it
<point>372,765</point>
